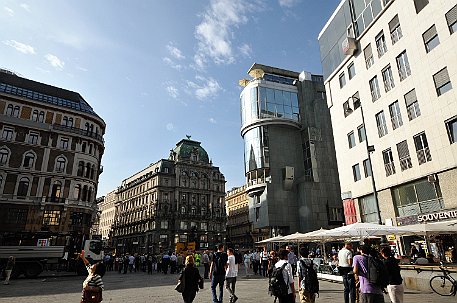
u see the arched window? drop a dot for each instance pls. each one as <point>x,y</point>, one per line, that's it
<point>70,122</point>
<point>87,170</point>
<point>80,169</point>
<point>87,127</point>
<point>89,195</point>
<point>193,210</point>
<point>77,192</point>
<point>29,160</point>
<point>16,111</point>
<point>60,164</point>
<point>41,117</point>
<point>91,146</point>
<point>35,115</point>
<point>9,110</point>
<point>92,170</point>
<point>65,121</point>
<point>4,155</point>
<point>23,187</point>
<point>84,193</point>
<point>83,147</point>
<point>183,209</point>
<point>56,192</point>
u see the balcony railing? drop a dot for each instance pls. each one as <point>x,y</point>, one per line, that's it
<point>422,207</point>
<point>78,131</point>
<point>405,163</point>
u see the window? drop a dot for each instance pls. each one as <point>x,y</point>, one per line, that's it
<point>412,105</point>
<point>381,44</point>
<point>204,226</point>
<point>41,117</point>
<point>347,109</point>
<point>356,172</point>
<point>395,29</point>
<point>442,81</point>
<point>51,217</point>
<point>356,100</point>
<point>361,133</point>
<point>381,123</point>
<point>368,53</point>
<point>451,18</point>
<point>335,214</point>
<point>368,209</point>
<point>342,80</point>
<point>164,224</point>
<point>56,192</point>
<point>451,127</point>
<point>183,225</point>
<point>63,143</point>
<point>351,140</point>
<point>431,39</point>
<point>23,187</point>
<point>77,192</point>
<point>388,162</point>
<point>80,171</point>
<point>351,70</point>
<point>395,115</point>
<point>32,138</point>
<point>7,134</point>
<point>403,66</point>
<point>388,78</point>
<point>374,88</point>
<point>4,155</point>
<point>367,168</point>
<point>422,149</point>
<point>29,160</point>
<point>35,115</point>
<point>403,155</point>
<point>13,111</point>
<point>420,4</point>
<point>60,164</point>
<point>183,209</point>
<point>420,196</point>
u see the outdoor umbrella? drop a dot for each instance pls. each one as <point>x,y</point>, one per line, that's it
<point>427,229</point>
<point>273,239</point>
<point>364,230</point>
<point>293,237</point>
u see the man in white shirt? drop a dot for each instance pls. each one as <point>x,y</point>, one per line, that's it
<point>288,277</point>
<point>346,271</point>
<point>230,275</point>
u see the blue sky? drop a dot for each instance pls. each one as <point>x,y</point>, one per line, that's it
<point>156,71</point>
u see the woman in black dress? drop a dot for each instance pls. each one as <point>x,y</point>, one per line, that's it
<point>192,280</point>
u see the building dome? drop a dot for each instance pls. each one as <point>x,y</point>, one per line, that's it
<point>187,149</point>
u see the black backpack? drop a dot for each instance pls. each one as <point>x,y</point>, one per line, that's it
<point>377,272</point>
<point>219,264</point>
<point>310,278</point>
<point>277,287</point>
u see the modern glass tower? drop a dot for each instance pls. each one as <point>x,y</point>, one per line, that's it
<point>290,165</point>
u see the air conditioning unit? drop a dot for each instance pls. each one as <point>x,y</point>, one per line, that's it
<point>432,178</point>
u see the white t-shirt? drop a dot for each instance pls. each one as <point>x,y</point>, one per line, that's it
<point>247,258</point>
<point>343,257</point>
<point>286,273</point>
<point>232,268</point>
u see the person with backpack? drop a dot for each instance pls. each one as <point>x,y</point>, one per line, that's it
<point>307,278</point>
<point>281,281</point>
<point>217,273</point>
<point>371,276</point>
<point>395,287</point>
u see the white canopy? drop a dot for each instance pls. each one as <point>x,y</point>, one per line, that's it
<point>365,230</point>
<point>273,239</point>
<point>431,228</point>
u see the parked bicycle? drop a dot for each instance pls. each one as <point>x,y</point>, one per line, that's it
<point>444,285</point>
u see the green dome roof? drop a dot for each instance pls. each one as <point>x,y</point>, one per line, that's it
<point>186,147</point>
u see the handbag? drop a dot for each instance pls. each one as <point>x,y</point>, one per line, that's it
<point>91,296</point>
<point>181,283</point>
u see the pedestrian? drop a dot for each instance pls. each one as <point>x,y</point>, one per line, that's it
<point>131,263</point>
<point>256,262</point>
<point>306,281</point>
<point>247,261</point>
<point>288,277</point>
<point>345,258</point>
<point>126,263</point>
<point>264,257</point>
<point>173,263</point>
<point>165,262</point>
<point>191,279</point>
<point>272,259</point>
<point>230,275</point>
<point>395,286</point>
<point>205,262</point>
<point>9,269</point>
<point>217,273</point>
<point>93,284</point>
<point>292,259</point>
<point>369,292</point>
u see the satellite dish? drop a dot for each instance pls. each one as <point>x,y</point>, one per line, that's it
<point>256,73</point>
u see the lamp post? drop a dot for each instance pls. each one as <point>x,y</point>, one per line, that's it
<point>370,149</point>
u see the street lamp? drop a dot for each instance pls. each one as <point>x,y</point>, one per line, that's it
<point>370,149</point>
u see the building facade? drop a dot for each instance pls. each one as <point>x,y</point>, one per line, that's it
<point>107,209</point>
<point>51,146</point>
<point>390,68</point>
<point>291,173</point>
<point>240,232</point>
<point>175,200</point>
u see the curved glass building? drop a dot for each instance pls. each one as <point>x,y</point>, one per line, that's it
<point>288,151</point>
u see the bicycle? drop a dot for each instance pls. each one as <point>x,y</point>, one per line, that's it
<point>444,285</point>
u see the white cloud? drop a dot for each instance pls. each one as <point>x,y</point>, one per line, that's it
<point>215,34</point>
<point>170,127</point>
<point>9,11</point>
<point>246,50</point>
<point>83,69</point>
<point>26,7</point>
<point>172,64</point>
<point>172,91</point>
<point>55,61</point>
<point>208,88</point>
<point>288,3</point>
<point>20,47</point>
<point>212,120</point>
<point>175,52</point>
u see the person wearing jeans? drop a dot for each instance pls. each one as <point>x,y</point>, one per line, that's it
<point>217,273</point>
<point>346,271</point>
<point>230,275</point>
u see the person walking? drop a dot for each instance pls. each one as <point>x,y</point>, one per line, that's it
<point>192,280</point>
<point>369,292</point>
<point>217,273</point>
<point>345,258</point>
<point>230,275</point>
<point>264,257</point>
<point>247,262</point>
<point>173,263</point>
<point>205,262</point>
<point>292,258</point>
<point>9,269</point>
<point>305,264</point>
<point>395,286</point>
<point>165,262</point>
<point>288,277</point>
<point>93,284</point>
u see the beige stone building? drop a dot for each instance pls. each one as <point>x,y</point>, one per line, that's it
<point>390,72</point>
<point>107,210</point>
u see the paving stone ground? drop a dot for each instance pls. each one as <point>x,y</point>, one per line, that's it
<point>141,287</point>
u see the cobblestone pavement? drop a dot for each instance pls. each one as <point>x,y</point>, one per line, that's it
<point>140,287</point>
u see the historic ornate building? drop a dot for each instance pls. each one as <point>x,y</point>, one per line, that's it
<point>179,199</point>
<point>107,208</point>
<point>51,145</point>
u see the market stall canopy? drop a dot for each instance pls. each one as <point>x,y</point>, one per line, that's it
<point>364,230</point>
<point>274,239</point>
<point>293,237</point>
<point>449,227</point>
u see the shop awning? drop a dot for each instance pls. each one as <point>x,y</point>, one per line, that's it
<point>444,227</point>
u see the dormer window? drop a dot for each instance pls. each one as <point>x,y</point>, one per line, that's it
<point>194,157</point>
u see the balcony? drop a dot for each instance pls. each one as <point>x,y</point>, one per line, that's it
<point>78,131</point>
<point>257,180</point>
